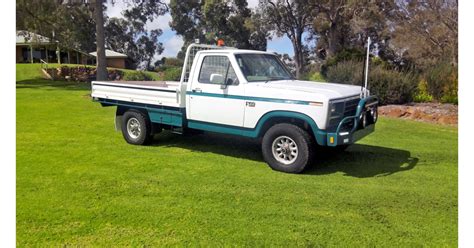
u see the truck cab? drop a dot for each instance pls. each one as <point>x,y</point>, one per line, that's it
<point>246,93</point>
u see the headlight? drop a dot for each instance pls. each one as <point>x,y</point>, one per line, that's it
<point>336,109</point>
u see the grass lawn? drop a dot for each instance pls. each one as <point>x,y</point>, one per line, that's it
<point>79,183</point>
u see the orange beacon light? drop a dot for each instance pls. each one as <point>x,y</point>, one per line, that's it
<point>220,42</point>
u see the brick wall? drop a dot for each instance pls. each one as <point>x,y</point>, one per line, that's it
<point>116,62</point>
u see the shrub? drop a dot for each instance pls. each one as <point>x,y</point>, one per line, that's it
<point>173,62</point>
<point>81,73</point>
<point>313,76</point>
<point>137,76</point>
<point>347,72</point>
<point>113,74</point>
<point>391,86</point>
<point>163,68</point>
<point>422,94</point>
<point>344,55</point>
<point>172,74</point>
<point>443,82</point>
<point>449,99</point>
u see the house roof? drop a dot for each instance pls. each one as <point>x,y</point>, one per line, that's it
<point>26,37</point>
<point>110,54</point>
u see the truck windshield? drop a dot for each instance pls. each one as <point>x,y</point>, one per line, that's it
<point>262,67</point>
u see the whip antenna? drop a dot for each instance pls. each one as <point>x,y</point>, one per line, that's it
<point>367,68</point>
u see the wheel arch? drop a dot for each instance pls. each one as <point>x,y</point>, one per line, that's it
<point>299,119</point>
<point>121,110</point>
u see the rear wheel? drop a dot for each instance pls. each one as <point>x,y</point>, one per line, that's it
<point>287,148</point>
<point>136,128</point>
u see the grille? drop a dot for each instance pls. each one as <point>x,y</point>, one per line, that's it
<point>349,108</point>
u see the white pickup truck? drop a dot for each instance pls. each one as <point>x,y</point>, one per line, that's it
<point>247,93</point>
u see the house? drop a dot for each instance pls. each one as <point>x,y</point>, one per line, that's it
<point>32,48</point>
<point>114,59</point>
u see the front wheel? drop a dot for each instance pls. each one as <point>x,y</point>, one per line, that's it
<point>136,128</point>
<point>287,148</point>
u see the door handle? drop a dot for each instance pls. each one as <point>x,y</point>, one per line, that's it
<point>198,90</point>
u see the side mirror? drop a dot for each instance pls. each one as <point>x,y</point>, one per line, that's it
<point>228,82</point>
<point>217,78</point>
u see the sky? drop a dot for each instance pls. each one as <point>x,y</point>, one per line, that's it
<point>172,42</point>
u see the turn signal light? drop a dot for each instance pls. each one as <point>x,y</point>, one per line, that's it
<point>331,140</point>
<point>319,104</point>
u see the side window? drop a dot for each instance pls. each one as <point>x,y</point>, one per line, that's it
<point>231,76</point>
<point>217,70</point>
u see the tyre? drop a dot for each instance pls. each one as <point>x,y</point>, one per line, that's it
<point>373,115</point>
<point>287,148</point>
<point>136,127</point>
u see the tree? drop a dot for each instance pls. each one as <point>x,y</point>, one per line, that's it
<point>426,31</point>
<point>331,24</point>
<point>291,18</point>
<point>344,25</point>
<point>233,22</point>
<point>100,40</point>
<point>73,27</point>
<point>141,46</point>
<point>259,30</point>
<point>208,20</point>
<point>404,33</point>
<point>187,21</point>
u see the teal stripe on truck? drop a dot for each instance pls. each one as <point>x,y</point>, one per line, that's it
<point>158,114</point>
<point>320,135</point>
<point>164,116</point>
<point>249,98</point>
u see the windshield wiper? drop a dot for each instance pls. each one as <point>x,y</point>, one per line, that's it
<point>274,78</point>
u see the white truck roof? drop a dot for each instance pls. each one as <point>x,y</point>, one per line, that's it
<point>194,49</point>
<point>235,51</point>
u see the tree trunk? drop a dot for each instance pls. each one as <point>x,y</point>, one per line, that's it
<point>297,59</point>
<point>333,39</point>
<point>100,41</point>
<point>299,56</point>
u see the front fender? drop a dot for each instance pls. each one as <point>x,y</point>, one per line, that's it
<point>319,135</point>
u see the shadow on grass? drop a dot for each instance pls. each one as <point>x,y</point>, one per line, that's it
<point>41,83</point>
<point>363,161</point>
<point>358,160</point>
<point>227,145</point>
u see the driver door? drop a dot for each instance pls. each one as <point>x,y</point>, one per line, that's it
<point>215,91</point>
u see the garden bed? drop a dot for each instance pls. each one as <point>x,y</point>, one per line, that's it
<point>80,73</point>
<point>427,112</point>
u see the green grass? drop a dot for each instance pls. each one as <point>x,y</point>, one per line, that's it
<point>80,184</point>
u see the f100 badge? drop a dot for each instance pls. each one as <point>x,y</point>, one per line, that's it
<point>250,104</point>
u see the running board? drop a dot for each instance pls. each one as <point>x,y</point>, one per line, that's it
<point>177,130</point>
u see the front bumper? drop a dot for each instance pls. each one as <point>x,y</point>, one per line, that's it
<point>363,124</point>
<point>346,138</point>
